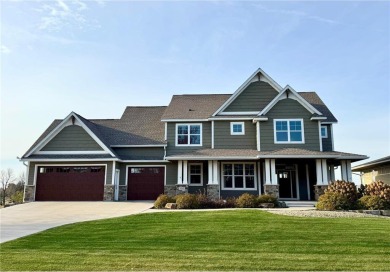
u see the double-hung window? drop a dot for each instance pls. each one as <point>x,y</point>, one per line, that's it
<point>188,134</point>
<point>195,174</point>
<point>238,176</point>
<point>288,131</point>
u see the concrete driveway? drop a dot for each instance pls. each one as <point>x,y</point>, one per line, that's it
<point>25,219</point>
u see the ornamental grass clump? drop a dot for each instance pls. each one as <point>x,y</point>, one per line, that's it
<point>267,199</point>
<point>380,189</point>
<point>373,202</point>
<point>331,201</point>
<point>246,201</point>
<point>187,201</point>
<point>162,200</point>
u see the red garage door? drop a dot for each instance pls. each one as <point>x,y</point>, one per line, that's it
<point>145,183</point>
<point>70,183</point>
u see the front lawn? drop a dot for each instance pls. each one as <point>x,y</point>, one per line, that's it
<point>219,240</point>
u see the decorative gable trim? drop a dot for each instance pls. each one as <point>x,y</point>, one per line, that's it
<point>258,75</point>
<point>71,119</point>
<point>289,92</point>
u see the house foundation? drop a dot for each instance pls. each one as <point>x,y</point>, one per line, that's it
<point>108,193</point>
<point>271,190</point>
<point>213,191</point>
<point>319,190</point>
<point>122,196</point>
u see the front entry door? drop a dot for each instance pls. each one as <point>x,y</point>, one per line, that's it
<point>287,184</point>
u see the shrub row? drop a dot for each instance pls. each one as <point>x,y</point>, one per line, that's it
<point>201,201</point>
<point>343,195</point>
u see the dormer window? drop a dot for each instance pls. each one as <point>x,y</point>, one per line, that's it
<point>288,131</point>
<point>188,134</point>
<point>324,132</point>
<point>237,128</point>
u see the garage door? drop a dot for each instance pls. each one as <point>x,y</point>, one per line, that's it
<point>145,183</point>
<point>70,183</point>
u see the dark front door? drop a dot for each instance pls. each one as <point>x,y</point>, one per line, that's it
<point>70,183</point>
<point>145,183</point>
<point>287,184</point>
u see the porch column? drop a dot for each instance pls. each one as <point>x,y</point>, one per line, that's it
<point>185,172</point>
<point>215,172</point>
<point>331,173</point>
<point>271,181</point>
<point>210,173</point>
<point>346,172</point>
<point>322,177</point>
<point>180,172</point>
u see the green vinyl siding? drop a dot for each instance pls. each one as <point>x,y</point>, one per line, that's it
<point>289,109</point>
<point>171,134</point>
<point>140,153</point>
<point>32,174</point>
<point>254,98</point>
<point>72,138</point>
<point>327,142</point>
<point>223,138</point>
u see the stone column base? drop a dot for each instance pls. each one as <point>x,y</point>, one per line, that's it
<point>213,191</point>
<point>170,190</point>
<point>271,189</point>
<point>29,193</point>
<point>319,190</point>
<point>181,189</point>
<point>108,193</point>
<point>122,196</point>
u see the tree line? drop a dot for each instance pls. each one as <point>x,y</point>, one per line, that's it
<point>12,187</point>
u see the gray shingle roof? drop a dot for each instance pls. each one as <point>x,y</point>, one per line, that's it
<point>200,106</point>
<point>372,164</point>
<point>316,102</point>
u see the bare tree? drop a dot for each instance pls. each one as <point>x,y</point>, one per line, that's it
<point>6,177</point>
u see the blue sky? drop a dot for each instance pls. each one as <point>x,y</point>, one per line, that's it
<point>96,57</point>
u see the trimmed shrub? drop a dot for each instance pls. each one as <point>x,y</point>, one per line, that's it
<point>225,203</point>
<point>373,202</point>
<point>267,199</point>
<point>162,200</point>
<point>379,188</point>
<point>331,201</point>
<point>204,202</point>
<point>345,188</point>
<point>246,201</point>
<point>187,201</point>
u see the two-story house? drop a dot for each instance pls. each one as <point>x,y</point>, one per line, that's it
<point>261,139</point>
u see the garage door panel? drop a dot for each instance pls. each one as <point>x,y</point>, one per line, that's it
<point>145,183</point>
<point>70,183</point>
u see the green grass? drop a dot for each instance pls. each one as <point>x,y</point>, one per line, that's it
<point>220,240</point>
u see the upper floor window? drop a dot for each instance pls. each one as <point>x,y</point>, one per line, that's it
<point>188,134</point>
<point>324,132</point>
<point>288,131</point>
<point>237,128</point>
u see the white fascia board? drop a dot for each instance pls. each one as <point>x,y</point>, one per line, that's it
<point>318,118</point>
<point>296,97</point>
<point>56,130</point>
<point>352,157</point>
<point>184,120</point>
<point>231,118</point>
<point>68,160</point>
<point>329,123</point>
<point>263,118</point>
<point>159,145</point>
<point>210,158</point>
<point>268,79</point>
<point>239,113</point>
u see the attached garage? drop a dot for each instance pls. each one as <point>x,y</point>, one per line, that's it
<point>70,183</point>
<point>145,182</point>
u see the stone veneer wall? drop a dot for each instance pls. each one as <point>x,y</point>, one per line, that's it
<point>213,191</point>
<point>108,193</point>
<point>319,190</point>
<point>271,190</point>
<point>29,193</point>
<point>122,196</point>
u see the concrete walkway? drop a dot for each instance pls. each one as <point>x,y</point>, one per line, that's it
<point>25,219</point>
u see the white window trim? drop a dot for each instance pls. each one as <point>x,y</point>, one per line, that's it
<point>189,124</point>
<point>326,132</point>
<point>288,131</point>
<point>237,133</point>
<point>239,189</point>
<point>189,174</point>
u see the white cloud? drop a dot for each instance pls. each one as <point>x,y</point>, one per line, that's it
<point>296,13</point>
<point>4,49</point>
<point>64,14</point>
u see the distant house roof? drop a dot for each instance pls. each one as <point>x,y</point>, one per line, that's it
<point>372,164</point>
